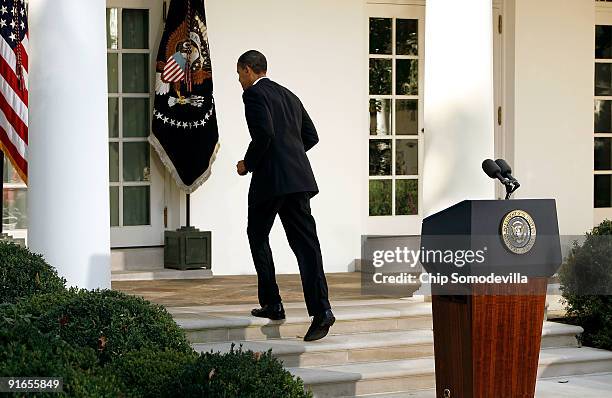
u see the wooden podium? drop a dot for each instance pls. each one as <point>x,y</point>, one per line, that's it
<point>487,335</point>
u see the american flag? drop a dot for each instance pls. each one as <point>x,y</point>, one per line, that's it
<point>14,48</point>
<point>174,71</point>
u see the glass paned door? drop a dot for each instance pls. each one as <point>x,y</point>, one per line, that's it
<point>14,209</point>
<point>395,80</point>
<point>135,172</point>
<point>602,112</point>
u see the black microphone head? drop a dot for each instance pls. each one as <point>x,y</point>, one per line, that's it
<point>491,168</point>
<point>505,168</point>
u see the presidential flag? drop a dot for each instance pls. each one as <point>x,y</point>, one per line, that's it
<point>184,127</point>
<point>14,84</point>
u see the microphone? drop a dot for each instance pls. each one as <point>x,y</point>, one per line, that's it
<point>506,170</point>
<point>501,170</point>
<point>493,170</point>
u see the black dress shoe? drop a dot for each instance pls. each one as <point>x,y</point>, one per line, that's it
<point>274,311</point>
<point>320,326</point>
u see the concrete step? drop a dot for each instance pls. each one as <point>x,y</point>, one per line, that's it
<point>137,259</point>
<point>415,375</point>
<point>372,346</point>
<point>583,386</point>
<point>160,274</point>
<point>231,323</point>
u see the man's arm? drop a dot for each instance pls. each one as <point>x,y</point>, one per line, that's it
<point>309,132</point>
<point>261,128</point>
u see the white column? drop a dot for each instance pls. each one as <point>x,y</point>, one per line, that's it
<point>458,102</point>
<point>68,193</point>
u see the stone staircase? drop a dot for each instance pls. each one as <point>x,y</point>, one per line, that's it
<point>375,347</point>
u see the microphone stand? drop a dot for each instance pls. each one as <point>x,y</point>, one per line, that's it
<point>511,186</point>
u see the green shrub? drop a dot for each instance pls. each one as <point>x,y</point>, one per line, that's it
<point>26,352</point>
<point>23,274</point>
<point>586,279</point>
<point>236,374</point>
<point>147,372</point>
<point>110,322</point>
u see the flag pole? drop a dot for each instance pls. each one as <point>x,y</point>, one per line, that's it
<point>188,215</point>
<point>2,190</point>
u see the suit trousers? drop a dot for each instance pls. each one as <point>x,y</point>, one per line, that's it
<point>294,212</point>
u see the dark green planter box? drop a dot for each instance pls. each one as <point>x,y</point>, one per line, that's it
<point>187,248</point>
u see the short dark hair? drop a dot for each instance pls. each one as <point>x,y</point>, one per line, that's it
<point>255,60</point>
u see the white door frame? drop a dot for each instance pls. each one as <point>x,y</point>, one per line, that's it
<point>399,225</point>
<point>153,234</point>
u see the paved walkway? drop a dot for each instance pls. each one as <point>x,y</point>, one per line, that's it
<point>237,289</point>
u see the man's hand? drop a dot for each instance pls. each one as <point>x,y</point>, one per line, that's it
<point>241,168</point>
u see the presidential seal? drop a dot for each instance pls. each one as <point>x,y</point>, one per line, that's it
<point>518,231</point>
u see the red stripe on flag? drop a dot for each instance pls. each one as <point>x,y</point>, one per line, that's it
<point>11,78</point>
<point>14,119</point>
<point>19,163</point>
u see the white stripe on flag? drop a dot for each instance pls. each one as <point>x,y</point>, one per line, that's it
<point>13,136</point>
<point>13,100</point>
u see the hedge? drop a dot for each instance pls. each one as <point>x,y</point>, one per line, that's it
<point>24,274</point>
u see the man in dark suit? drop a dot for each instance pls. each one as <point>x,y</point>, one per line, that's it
<point>282,183</point>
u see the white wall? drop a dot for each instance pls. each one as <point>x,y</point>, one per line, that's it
<point>317,49</point>
<point>459,131</point>
<point>553,105</point>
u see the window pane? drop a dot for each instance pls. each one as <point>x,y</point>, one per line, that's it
<point>603,150</point>
<point>406,197</point>
<point>112,28</point>
<point>135,73</point>
<point>112,63</point>
<point>407,39</point>
<point>135,117</point>
<point>380,157</point>
<point>113,160</point>
<point>380,116</point>
<point>406,117</point>
<point>135,29</point>
<point>603,41</point>
<point>380,197</point>
<point>603,116</point>
<point>603,79</point>
<point>380,36</point>
<point>10,174</point>
<point>407,78</point>
<point>136,207</point>
<point>114,206</point>
<point>407,157</point>
<point>380,77</point>
<point>14,211</point>
<point>113,117</point>
<point>602,190</point>
<point>136,161</point>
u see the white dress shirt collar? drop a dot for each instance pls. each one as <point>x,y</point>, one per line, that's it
<point>263,77</point>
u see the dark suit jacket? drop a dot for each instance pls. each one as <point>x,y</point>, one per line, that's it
<point>281,133</point>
